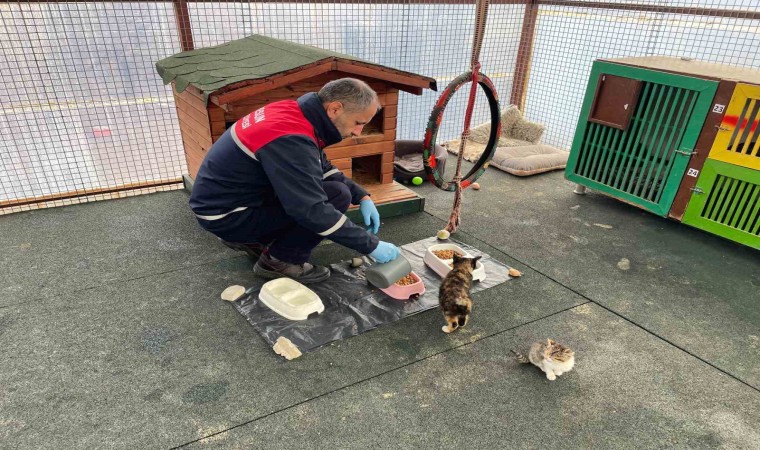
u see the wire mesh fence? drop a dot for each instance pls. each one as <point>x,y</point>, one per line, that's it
<point>83,113</point>
<point>85,116</point>
<point>568,38</point>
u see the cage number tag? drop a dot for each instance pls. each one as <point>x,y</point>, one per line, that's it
<point>718,108</point>
<point>692,173</point>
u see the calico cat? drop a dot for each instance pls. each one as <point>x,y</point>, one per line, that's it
<point>551,357</point>
<point>454,295</point>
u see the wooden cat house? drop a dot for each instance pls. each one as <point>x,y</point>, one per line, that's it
<point>215,86</point>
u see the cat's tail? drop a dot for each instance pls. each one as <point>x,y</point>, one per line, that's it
<point>520,357</point>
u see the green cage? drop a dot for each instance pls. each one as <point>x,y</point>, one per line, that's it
<point>637,131</point>
<point>726,202</point>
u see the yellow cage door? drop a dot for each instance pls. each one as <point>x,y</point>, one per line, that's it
<point>738,138</point>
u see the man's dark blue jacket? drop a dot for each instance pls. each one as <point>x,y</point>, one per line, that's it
<point>276,153</point>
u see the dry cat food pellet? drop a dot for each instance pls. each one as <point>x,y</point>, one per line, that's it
<point>446,254</point>
<point>406,281</point>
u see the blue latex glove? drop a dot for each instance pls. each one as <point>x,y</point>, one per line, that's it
<point>370,215</point>
<point>385,252</point>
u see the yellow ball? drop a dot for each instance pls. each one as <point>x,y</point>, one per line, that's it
<point>443,235</point>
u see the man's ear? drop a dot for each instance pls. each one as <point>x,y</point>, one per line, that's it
<point>334,109</point>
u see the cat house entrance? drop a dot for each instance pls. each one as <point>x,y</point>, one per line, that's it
<point>367,169</point>
<point>375,126</point>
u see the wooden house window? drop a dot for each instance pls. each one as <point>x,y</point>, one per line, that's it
<point>615,101</point>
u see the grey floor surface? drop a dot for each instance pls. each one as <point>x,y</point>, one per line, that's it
<point>113,335</point>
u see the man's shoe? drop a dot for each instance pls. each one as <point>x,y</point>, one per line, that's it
<point>253,251</point>
<point>269,267</point>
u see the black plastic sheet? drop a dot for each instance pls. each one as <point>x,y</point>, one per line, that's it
<point>353,306</point>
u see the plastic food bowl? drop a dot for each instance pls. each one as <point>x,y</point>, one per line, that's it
<point>385,275</point>
<point>290,299</point>
<point>441,266</point>
<point>407,292</point>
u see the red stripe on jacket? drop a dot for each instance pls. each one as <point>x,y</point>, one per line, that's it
<point>270,122</point>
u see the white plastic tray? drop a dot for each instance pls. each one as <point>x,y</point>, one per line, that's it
<point>441,266</point>
<point>290,299</point>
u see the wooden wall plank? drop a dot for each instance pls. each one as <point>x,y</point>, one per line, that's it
<point>201,116</point>
<point>389,98</point>
<point>194,159</point>
<point>193,147</point>
<point>215,112</point>
<point>201,142</point>
<point>190,98</point>
<point>387,135</point>
<point>218,127</point>
<point>341,163</point>
<point>187,124</point>
<point>359,150</point>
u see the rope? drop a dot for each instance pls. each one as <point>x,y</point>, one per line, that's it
<point>477,43</point>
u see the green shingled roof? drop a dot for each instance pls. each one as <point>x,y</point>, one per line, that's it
<point>250,58</point>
